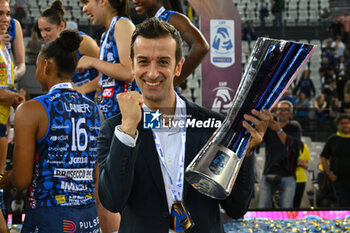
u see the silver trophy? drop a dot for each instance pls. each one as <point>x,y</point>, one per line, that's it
<point>272,67</point>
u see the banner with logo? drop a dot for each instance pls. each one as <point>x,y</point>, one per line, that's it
<point>222,69</point>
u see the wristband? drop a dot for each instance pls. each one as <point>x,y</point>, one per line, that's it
<point>279,131</point>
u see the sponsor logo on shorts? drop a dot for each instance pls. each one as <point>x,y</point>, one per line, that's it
<point>93,223</point>
<point>69,226</point>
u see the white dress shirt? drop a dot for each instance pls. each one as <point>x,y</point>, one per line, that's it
<point>171,144</point>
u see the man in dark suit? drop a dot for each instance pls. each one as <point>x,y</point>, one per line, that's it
<point>141,170</point>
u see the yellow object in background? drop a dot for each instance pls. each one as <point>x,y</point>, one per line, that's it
<point>190,13</point>
<point>300,172</point>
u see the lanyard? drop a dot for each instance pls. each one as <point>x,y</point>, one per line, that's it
<point>7,59</point>
<point>65,85</point>
<point>177,185</point>
<point>104,45</point>
<point>160,12</point>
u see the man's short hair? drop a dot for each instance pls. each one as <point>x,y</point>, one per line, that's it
<point>154,28</point>
<point>286,102</point>
<point>341,117</point>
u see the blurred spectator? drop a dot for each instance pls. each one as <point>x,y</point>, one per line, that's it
<point>341,67</point>
<point>287,96</point>
<point>20,7</point>
<point>263,13</point>
<point>248,32</point>
<point>347,60</point>
<point>336,28</point>
<point>320,106</point>
<point>277,10</point>
<point>282,143</point>
<point>345,20</point>
<point>302,108</point>
<point>341,79</point>
<point>345,105</point>
<point>300,172</point>
<point>328,52</point>
<point>335,160</point>
<point>347,88</point>
<point>305,85</point>
<point>330,94</point>
<point>325,193</point>
<point>33,47</point>
<point>72,24</point>
<point>326,73</point>
<point>325,18</point>
<point>339,48</point>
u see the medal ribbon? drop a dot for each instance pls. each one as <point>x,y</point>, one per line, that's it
<point>104,45</point>
<point>7,59</point>
<point>177,185</point>
<point>160,12</point>
<point>65,85</point>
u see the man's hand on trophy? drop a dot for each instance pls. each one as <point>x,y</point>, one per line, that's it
<point>274,125</point>
<point>130,104</point>
<point>260,120</point>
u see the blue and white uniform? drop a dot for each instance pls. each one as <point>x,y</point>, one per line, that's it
<point>61,193</point>
<point>11,30</point>
<point>164,14</point>
<point>107,100</point>
<point>85,76</point>
<point>7,82</point>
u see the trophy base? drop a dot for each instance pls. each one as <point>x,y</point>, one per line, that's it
<point>205,185</point>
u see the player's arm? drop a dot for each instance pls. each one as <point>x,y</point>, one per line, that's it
<point>194,38</point>
<point>19,52</point>
<point>89,48</point>
<point>122,35</point>
<point>30,125</point>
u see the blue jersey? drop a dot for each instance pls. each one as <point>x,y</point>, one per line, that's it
<point>11,30</point>
<point>85,76</point>
<point>111,87</point>
<point>166,15</point>
<point>65,157</point>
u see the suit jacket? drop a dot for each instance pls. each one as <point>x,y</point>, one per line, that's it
<point>131,181</point>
